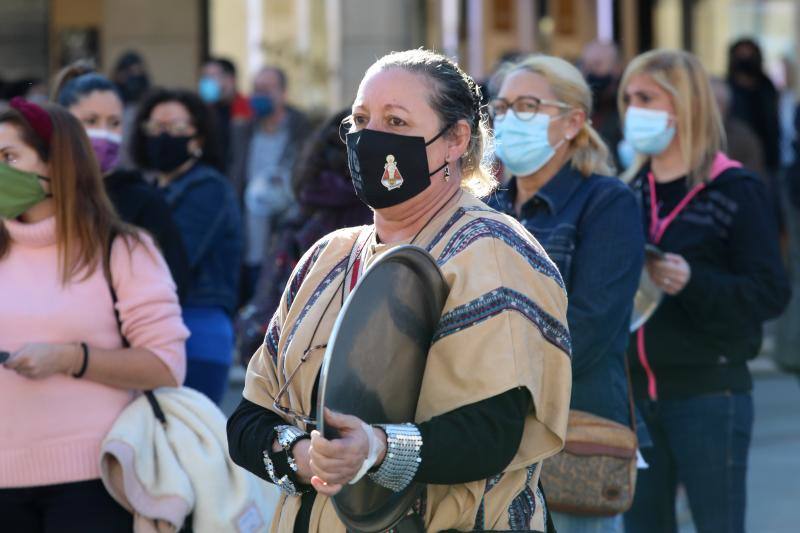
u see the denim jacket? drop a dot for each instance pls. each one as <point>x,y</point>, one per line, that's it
<point>206,212</point>
<point>591,229</point>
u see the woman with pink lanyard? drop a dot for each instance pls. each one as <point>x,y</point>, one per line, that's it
<point>714,252</point>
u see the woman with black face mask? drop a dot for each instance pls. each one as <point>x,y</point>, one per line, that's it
<point>498,365</point>
<point>173,138</point>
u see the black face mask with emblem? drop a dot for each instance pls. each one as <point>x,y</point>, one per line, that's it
<point>387,168</point>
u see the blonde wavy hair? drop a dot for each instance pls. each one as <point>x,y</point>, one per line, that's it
<point>699,124</point>
<point>588,152</point>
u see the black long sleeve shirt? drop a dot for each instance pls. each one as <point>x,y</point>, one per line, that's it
<point>467,444</point>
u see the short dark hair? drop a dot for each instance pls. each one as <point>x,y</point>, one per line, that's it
<point>746,42</point>
<point>282,79</point>
<point>201,116</point>
<point>227,66</point>
<point>128,59</point>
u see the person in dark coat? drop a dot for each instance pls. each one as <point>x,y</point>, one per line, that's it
<point>743,144</point>
<point>601,67</point>
<point>755,99</point>
<point>793,172</point>
<point>717,259</point>
<point>263,151</point>
<point>174,138</point>
<point>217,87</point>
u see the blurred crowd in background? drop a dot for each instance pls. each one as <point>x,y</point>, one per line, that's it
<point>235,183</point>
<point>287,178</point>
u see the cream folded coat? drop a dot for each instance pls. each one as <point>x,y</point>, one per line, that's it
<point>164,473</point>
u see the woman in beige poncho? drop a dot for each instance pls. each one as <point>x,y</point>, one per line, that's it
<point>495,396</point>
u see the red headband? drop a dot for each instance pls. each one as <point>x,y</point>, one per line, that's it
<point>37,117</point>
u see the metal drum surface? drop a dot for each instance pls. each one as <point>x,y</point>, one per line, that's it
<point>374,365</point>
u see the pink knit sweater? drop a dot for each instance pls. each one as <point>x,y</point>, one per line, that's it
<point>51,429</point>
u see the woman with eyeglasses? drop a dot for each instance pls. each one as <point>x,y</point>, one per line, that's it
<point>722,274</point>
<point>495,398</point>
<point>174,139</point>
<point>587,221</point>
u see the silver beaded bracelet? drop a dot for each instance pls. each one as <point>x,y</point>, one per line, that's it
<point>287,437</point>
<point>283,482</point>
<point>400,465</point>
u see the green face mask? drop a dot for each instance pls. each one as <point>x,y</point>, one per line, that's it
<point>19,191</point>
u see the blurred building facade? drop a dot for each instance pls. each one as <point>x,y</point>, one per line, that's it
<point>325,45</point>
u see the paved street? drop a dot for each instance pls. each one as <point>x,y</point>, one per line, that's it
<point>774,475</point>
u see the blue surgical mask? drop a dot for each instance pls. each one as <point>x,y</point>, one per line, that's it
<point>209,90</point>
<point>626,154</point>
<point>523,145</point>
<point>648,130</point>
<point>262,105</point>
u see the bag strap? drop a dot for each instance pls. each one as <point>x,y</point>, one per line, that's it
<point>630,394</point>
<point>158,412</point>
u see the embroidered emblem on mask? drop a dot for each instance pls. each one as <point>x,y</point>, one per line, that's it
<point>391,174</point>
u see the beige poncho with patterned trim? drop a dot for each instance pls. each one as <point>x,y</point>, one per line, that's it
<point>503,326</point>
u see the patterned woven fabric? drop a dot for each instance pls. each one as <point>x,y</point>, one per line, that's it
<point>502,328</point>
<point>497,301</point>
<point>271,340</point>
<point>483,228</point>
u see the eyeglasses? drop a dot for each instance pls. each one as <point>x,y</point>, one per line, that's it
<point>176,129</point>
<point>293,415</point>
<point>290,413</point>
<point>524,107</point>
<point>345,127</point>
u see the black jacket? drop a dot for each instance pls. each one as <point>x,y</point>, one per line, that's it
<point>793,172</point>
<point>699,341</point>
<point>139,204</point>
<point>758,108</point>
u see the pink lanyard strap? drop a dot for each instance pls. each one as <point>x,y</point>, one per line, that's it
<point>657,228</point>
<point>659,225</point>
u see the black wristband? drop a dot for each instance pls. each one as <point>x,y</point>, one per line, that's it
<point>85,365</point>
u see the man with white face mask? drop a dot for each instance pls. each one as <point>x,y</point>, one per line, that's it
<point>589,225</point>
